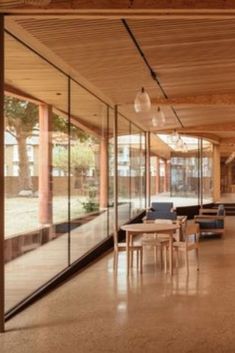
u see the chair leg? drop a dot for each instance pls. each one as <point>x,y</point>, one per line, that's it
<point>155,248</point>
<point>141,261</point>
<point>165,259</point>
<point>131,253</point>
<point>161,260</point>
<point>197,256</point>
<point>137,258</point>
<point>186,261</point>
<point>177,257</point>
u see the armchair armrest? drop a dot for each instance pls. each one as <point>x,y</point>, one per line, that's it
<point>203,217</point>
<point>208,210</point>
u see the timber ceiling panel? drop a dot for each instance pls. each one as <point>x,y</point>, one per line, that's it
<point>102,52</point>
<point>191,58</point>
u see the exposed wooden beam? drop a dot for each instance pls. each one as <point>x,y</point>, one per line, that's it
<point>227,140</point>
<point>210,137</point>
<point>201,100</point>
<point>187,132</point>
<point>17,93</point>
<point>223,126</point>
<point>80,123</point>
<point>39,14</point>
<point>130,5</point>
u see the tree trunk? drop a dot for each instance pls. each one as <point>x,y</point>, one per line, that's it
<point>25,181</point>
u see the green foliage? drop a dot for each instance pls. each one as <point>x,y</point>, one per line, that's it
<point>21,116</point>
<point>90,205</point>
<point>82,158</point>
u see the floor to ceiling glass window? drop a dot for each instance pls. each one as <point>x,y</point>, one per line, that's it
<point>181,171</point>
<point>88,170</point>
<point>35,195</point>
<point>60,171</point>
<point>124,158</point>
<point>137,170</point>
<point>207,170</point>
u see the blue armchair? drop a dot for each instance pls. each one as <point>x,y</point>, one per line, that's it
<point>163,210</point>
<point>211,220</point>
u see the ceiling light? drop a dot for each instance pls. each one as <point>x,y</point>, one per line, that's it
<point>180,144</point>
<point>158,119</point>
<point>174,137</point>
<point>142,102</point>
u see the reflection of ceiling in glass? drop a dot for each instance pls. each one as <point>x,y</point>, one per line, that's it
<point>190,142</point>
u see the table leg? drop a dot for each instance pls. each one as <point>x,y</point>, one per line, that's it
<point>127,253</point>
<point>171,254</point>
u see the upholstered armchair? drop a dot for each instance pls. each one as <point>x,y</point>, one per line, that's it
<point>211,220</point>
<point>162,210</point>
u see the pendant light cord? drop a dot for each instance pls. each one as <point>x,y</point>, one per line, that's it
<point>153,74</point>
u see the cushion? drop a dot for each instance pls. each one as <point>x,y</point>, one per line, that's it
<point>208,224</point>
<point>152,215</point>
<point>162,206</point>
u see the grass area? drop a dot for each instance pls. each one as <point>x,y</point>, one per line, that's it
<point>21,213</point>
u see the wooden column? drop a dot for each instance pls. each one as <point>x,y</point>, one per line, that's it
<point>165,176</point>
<point>2,190</point>
<point>45,164</point>
<point>216,174</point>
<point>157,175</point>
<point>147,166</point>
<point>103,172</point>
<point>115,187</point>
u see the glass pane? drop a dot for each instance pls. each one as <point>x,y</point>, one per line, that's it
<point>175,170</point>
<point>123,160</point>
<point>137,170</point>
<point>36,244</point>
<point>207,168</point>
<point>89,171</point>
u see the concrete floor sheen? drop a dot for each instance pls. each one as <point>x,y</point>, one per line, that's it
<point>100,311</point>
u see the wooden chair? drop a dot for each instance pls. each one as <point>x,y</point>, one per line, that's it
<point>191,242</point>
<point>133,247</point>
<point>158,242</point>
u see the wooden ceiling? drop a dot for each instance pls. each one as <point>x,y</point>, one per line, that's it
<point>194,61</point>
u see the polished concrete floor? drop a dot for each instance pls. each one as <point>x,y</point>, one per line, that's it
<point>100,311</point>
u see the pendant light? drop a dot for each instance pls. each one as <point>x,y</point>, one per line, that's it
<point>142,102</point>
<point>174,137</point>
<point>180,144</point>
<point>158,119</point>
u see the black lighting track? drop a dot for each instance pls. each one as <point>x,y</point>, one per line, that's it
<point>153,74</point>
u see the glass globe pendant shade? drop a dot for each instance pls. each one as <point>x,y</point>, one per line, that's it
<point>180,144</point>
<point>174,137</point>
<point>158,119</point>
<point>142,102</point>
<point>185,148</point>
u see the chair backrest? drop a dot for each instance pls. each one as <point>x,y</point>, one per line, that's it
<point>220,212</point>
<point>191,232</point>
<point>162,206</point>
<point>163,220</point>
<point>152,215</point>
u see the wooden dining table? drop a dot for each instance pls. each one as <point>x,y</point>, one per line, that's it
<point>152,228</point>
